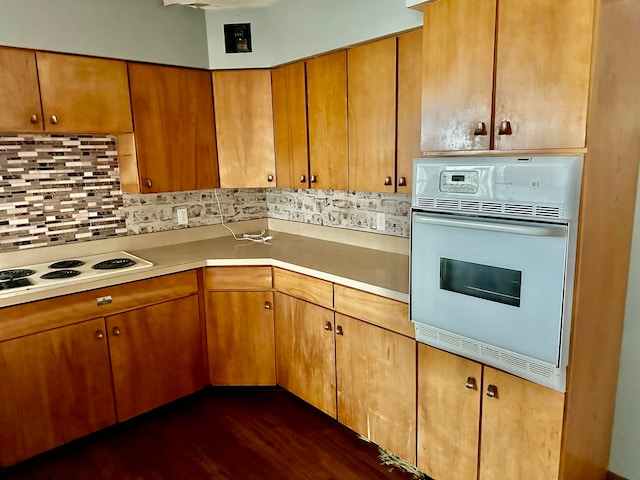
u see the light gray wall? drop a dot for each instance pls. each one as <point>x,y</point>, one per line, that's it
<point>292,29</point>
<point>142,30</point>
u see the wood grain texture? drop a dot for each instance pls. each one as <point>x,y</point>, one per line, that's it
<point>240,338</point>
<point>606,227</point>
<point>174,128</point>
<point>448,415</point>
<point>305,351</point>
<point>457,74</point>
<point>376,379</point>
<point>128,163</point>
<point>521,429</point>
<point>19,91</point>
<point>409,107</point>
<point>87,94</point>
<point>289,89</point>
<point>244,124</point>
<point>327,110</point>
<point>65,310</point>
<point>157,357</point>
<point>384,312</point>
<point>543,96</point>
<point>56,387</point>
<point>371,75</point>
<point>304,287</point>
<point>238,278</point>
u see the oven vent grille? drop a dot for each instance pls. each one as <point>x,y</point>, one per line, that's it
<point>492,208</point>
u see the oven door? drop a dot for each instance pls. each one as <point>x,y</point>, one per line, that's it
<point>498,282</point>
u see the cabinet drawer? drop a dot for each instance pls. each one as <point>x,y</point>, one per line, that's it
<point>302,286</point>
<point>237,278</point>
<point>381,311</point>
<point>65,310</point>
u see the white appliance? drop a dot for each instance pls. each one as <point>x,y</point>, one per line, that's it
<point>493,246</point>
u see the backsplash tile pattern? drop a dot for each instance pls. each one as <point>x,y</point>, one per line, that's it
<point>58,189</point>
<point>343,209</point>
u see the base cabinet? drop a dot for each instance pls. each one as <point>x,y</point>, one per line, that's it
<point>56,386</point>
<point>512,430</point>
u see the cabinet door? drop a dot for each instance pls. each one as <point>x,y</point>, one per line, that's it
<point>84,94</point>
<point>19,93</point>
<point>240,338</point>
<point>56,386</point>
<point>376,372</point>
<point>448,415</point>
<point>305,352</point>
<point>372,116</point>
<point>457,80</point>
<point>244,124</point>
<point>156,355</point>
<point>327,104</point>
<point>409,99</point>
<point>544,97</point>
<point>521,429</point>
<point>290,125</point>
<point>175,133</point>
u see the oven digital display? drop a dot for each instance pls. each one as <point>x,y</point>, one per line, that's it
<point>456,181</point>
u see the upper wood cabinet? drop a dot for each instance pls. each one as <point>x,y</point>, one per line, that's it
<point>372,116</point>
<point>76,94</point>
<point>540,99</point>
<point>244,123</point>
<point>289,88</point>
<point>175,145</point>
<point>327,112</point>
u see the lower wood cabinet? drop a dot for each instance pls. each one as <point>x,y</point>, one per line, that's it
<point>55,386</point>
<point>512,429</point>
<point>157,355</point>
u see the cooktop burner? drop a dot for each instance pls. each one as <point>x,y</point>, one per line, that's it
<point>56,274</point>
<point>15,273</point>
<point>114,263</point>
<point>67,264</point>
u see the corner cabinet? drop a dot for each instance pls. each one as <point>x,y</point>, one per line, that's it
<point>540,103</point>
<point>175,146</point>
<point>244,123</point>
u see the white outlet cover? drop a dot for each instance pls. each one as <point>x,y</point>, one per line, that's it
<point>380,221</point>
<point>183,219</point>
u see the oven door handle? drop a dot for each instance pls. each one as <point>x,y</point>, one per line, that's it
<point>518,229</point>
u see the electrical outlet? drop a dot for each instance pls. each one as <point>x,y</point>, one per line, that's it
<point>181,213</point>
<point>380,220</point>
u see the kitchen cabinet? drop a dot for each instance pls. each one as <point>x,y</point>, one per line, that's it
<point>244,124</point>
<point>289,88</point>
<point>240,326</point>
<point>327,114</point>
<point>485,84</point>
<point>175,145</point>
<point>372,116</point>
<point>515,426</point>
<point>56,386</point>
<point>58,93</point>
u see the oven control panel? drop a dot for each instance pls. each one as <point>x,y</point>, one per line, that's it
<point>459,181</point>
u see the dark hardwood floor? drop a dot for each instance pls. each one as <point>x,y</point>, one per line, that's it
<point>239,434</point>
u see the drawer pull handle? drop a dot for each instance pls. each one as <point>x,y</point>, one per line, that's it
<point>106,300</point>
<point>402,182</point>
<point>481,129</point>
<point>327,326</point>
<point>267,306</point>
<point>54,119</point>
<point>116,331</point>
<point>270,178</point>
<point>505,128</point>
<point>34,118</point>
<point>303,178</point>
<point>339,330</point>
<point>148,183</point>
<point>99,335</point>
<point>388,180</point>
<point>314,178</point>
<point>492,391</point>
<point>471,383</point>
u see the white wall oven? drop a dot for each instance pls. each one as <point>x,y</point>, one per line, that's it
<point>493,246</point>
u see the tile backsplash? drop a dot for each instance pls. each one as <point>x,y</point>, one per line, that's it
<point>57,189</point>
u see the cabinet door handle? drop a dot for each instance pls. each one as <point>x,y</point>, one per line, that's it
<point>402,182</point>
<point>505,128</point>
<point>314,179</point>
<point>481,129</point>
<point>303,178</point>
<point>116,331</point>
<point>267,306</point>
<point>148,183</point>
<point>269,178</point>
<point>339,330</point>
<point>471,383</point>
<point>492,391</point>
<point>54,119</point>
<point>34,118</point>
<point>388,181</point>
<point>327,326</point>
<point>99,335</point>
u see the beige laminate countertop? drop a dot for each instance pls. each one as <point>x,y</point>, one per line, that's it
<point>374,271</point>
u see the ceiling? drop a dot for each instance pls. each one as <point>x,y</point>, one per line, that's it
<point>214,4</point>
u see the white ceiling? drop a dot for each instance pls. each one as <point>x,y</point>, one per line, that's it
<point>214,4</point>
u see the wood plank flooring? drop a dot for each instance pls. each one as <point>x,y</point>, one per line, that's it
<point>239,434</point>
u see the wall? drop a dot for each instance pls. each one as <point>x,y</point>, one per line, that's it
<point>142,30</point>
<point>292,29</point>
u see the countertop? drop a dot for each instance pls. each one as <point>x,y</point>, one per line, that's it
<point>374,271</point>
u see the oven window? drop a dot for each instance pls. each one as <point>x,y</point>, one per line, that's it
<point>495,284</point>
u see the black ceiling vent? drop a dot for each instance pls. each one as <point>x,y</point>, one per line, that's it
<point>237,38</point>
